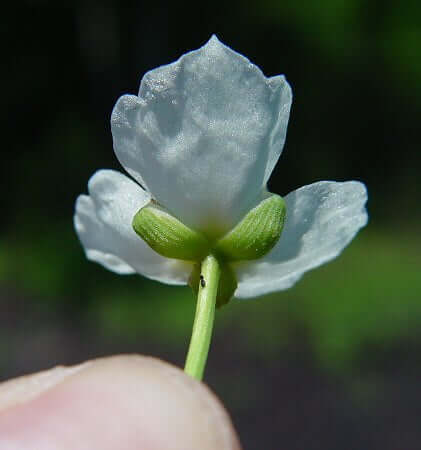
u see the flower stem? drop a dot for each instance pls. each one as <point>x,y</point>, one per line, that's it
<point>203,320</point>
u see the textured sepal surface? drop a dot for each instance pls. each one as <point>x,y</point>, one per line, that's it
<point>168,236</point>
<point>256,234</point>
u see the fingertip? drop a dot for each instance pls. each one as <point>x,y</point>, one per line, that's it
<point>27,387</point>
<point>125,402</point>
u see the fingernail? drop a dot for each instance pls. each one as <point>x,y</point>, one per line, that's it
<point>26,388</point>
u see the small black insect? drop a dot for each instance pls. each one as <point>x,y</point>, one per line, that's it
<point>202,281</point>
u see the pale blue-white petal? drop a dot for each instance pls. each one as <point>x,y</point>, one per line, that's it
<point>321,219</point>
<point>103,221</point>
<point>204,134</point>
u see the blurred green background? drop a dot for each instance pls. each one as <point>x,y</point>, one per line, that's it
<point>332,363</point>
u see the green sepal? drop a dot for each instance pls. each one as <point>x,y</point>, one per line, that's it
<point>227,283</point>
<point>168,236</point>
<point>256,234</point>
<point>194,279</point>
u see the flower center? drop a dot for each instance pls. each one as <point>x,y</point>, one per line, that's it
<point>253,237</point>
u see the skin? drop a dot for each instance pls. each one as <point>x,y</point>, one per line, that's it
<point>125,402</point>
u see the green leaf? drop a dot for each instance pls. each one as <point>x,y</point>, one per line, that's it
<point>168,236</point>
<point>256,234</point>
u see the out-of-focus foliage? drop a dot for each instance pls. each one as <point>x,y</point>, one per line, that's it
<point>349,31</point>
<point>368,296</point>
<point>355,70</point>
<point>356,80</point>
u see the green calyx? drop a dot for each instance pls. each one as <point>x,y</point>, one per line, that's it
<point>168,236</point>
<point>256,234</point>
<point>253,237</point>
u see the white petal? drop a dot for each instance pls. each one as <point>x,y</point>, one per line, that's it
<point>103,221</point>
<point>204,134</point>
<point>321,219</point>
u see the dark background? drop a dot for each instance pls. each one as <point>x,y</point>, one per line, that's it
<point>332,363</point>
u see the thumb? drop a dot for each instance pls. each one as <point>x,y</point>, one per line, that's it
<point>121,402</point>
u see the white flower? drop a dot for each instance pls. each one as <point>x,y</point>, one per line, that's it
<point>202,138</point>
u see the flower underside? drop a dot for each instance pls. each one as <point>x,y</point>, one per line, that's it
<point>252,238</point>
<point>200,141</point>
<point>202,137</point>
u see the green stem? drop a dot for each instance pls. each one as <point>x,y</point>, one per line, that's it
<point>203,320</point>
